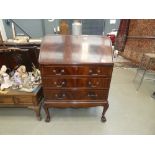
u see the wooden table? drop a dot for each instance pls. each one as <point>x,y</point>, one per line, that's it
<point>15,98</point>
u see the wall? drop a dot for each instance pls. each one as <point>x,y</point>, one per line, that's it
<point>49,26</point>
<point>37,28</point>
<point>32,26</point>
<point>92,26</point>
<point>109,27</point>
<point>89,26</point>
<point>96,26</point>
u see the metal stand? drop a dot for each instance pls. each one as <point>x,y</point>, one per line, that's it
<point>146,62</point>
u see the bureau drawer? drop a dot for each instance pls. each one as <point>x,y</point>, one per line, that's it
<point>59,82</point>
<point>27,100</point>
<point>49,70</point>
<point>73,82</point>
<point>102,83</point>
<point>77,70</point>
<point>75,95</point>
<point>95,71</point>
<point>6,100</point>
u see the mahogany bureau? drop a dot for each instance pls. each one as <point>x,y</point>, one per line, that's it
<point>76,72</point>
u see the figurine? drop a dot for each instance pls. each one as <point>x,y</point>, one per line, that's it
<point>20,77</point>
<point>36,75</point>
<point>5,79</point>
<point>26,81</point>
<point>17,79</point>
<point>22,72</point>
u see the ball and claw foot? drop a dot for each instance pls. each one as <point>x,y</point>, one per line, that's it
<point>39,118</point>
<point>47,119</point>
<point>103,119</point>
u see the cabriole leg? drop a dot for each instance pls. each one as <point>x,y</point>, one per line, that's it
<point>105,107</point>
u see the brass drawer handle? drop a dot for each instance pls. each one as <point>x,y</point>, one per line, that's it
<point>60,96</point>
<point>58,72</point>
<point>93,85</point>
<point>60,84</point>
<point>92,94</point>
<point>94,72</point>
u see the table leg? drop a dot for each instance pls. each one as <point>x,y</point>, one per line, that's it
<point>47,113</point>
<point>37,111</point>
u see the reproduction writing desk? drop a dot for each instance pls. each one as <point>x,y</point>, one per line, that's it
<point>76,71</point>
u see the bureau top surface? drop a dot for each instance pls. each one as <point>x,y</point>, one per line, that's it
<point>69,49</point>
